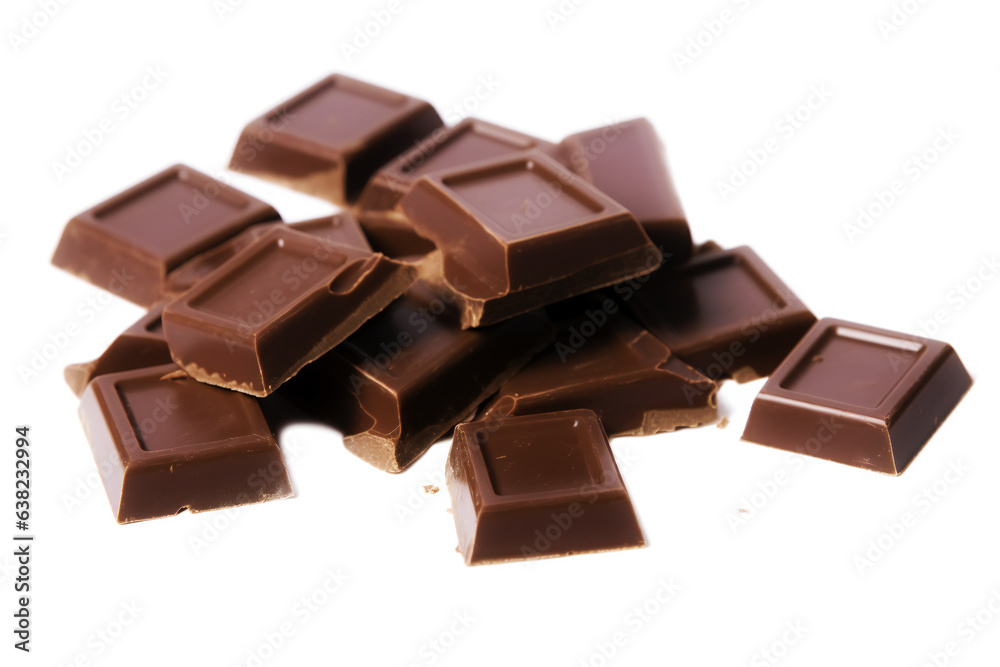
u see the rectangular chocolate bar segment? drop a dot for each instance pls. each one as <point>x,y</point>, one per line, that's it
<point>604,362</point>
<point>281,303</point>
<point>724,312</point>
<point>165,443</point>
<point>140,346</point>
<point>400,382</point>
<point>858,395</point>
<point>330,138</point>
<point>538,486</point>
<point>625,160</point>
<point>129,243</point>
<point>522,232</point>
<point>341,228</point>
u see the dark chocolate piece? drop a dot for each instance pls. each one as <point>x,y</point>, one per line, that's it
<point>400,382</point>
<point>129,243</point>
<point>625,160</point>
<point>538,486</point>
<point>522,232</point>
<point>602,361</point>
<point>330,138</point>
<point>281,303</point>
<point>166,443</point>
<point>858,395</point>
<point>723,312</point>
<point>140,346</point>
<point>341,228</point>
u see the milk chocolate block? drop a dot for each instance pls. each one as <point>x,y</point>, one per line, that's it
<point>166,443</point>
<point>626,161</point>
<point>400,382</point>
<point>140,346</point>
<point>858,395</point>
<point>129,243</point>
<point>522,232</point>
<point>330,138</point>
<point>279,304</point>
<point>538,486</point>
<point>446,148</point>
<point>723,312</point>
<point>604,362</point>
<point>340,228</point>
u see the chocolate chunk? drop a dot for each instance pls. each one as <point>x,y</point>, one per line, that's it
<point>140,346</point>
<point>602,361</point>
<point>858,395</point>
<point>522,232</point>
<point>330,138</point>
<point>723,312</point>
<point>538,486</point>
<point>165,443</point>
<point>445,149</point>
<point>341,228</point>
<point>399,383</point>
<point>625,160</point>
<point>282,302</point>
<point>129,243</point>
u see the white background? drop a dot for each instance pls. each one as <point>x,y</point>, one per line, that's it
<point>793,559</point>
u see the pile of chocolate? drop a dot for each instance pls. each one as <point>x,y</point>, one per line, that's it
<point>536,298</point>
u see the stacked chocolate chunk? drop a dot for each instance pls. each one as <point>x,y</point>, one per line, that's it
<point>535,297</point>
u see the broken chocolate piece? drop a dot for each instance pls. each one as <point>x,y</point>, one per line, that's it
<point>400,382</point>
<point>625,160</point>
<point>341,228</point>
<point>165,443</point>
<point>602,361</point>
<point>723,312</point>
<point>129,243</point>
<point>858,395</point>
<point>282,302</point>
<point>330,138</point>
<point>538,486</point>
<point>522,232</point>
<point>140,346</point>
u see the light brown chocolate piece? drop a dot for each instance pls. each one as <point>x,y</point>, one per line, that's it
<point>130,243</point>
<point>330,138</point>
<point>538,486</point>
<point>858,395</point>
<point>626,161</point>
<point>341,228</point>
<point>521,232</point>
<point>281,303</point>
<point>164,443</point>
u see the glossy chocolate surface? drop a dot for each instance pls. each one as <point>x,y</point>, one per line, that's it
<point>522,232</point>
<point>129,243</point>
<point>166,443</point>
<point>140,346</point>
<point>538,486</point>
<point>604,362</point>
<point>724,312</point>
<point>399,383</point>
<point>330,138</point>
<point>858,395</point>
<point>468,142</point>
<point>341,228</point>
<point>282,302</point>
<point>626,161</point>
